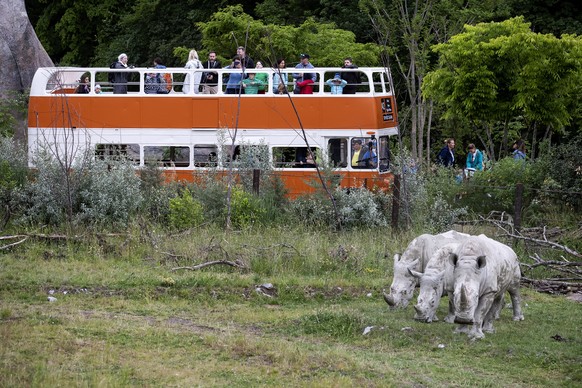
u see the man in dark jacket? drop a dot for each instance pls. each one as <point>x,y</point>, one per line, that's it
<point>446,156</point>
<point>247,61</point>
<point>210,79</point>
<point>352,77</point>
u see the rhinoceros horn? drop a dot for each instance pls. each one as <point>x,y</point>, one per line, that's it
<point>464,300</point>
<point>389,299</point>
<point>414,273</point>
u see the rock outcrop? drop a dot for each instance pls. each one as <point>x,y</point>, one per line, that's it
<point>20,50</point>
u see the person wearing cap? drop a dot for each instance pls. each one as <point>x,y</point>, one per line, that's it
<point>246,61</point>
<point>97,89</point>
<point>305,64</point>
<point>336,84</point>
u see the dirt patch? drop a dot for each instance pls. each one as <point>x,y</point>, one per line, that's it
<point>575,296</point>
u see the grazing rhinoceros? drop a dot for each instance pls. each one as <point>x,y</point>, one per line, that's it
<point>416,257</point>
<point>436,280</point>
<point>483,270</point>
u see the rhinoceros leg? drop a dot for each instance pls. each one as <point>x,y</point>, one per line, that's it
<point>493,314</point>
<point>516,302</point>
<point>462,329</point>
<point>483,309</point>
<point>450,318</point>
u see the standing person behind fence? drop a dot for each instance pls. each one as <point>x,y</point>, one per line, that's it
<point>247,62</point>
<point>352,77</point>
<point>519,150</point>
<point>210,79</point>
<point>446,156</point>
<point>301,77</point>
<point>120,78</point>
<point>192,82</point>
<point>280,78</point>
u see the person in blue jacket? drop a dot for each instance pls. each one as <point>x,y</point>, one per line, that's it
<point>446,156</point>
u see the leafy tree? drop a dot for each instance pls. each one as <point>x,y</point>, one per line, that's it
<point>327,45</point>
<point>503,72</point>
<point>408,29</point>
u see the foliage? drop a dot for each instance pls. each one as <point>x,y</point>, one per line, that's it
<point>498,72</point>
<point>12,108</point>
<point>13,176</point>
<point>185,211</point>
<point>327,45</point>
<point>91,192</point>
<point>246,209</point>
<point>110,193</point>
<point>562,165</point>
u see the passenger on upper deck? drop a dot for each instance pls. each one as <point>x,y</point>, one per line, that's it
<point>352,78</point>
<point>120,79</point>
<point>97,89</point>
<point>210,79</point>
<point>246,61</point>
<point>251,85</point>
<point>194,83</point>
<point>233,86</point>
<point>279,78</point>
<point>83,87</point>
<point>263,77</point>
<point>336,84</point>
<point>304,64</point>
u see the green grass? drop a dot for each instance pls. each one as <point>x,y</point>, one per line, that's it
<point>123,317</point>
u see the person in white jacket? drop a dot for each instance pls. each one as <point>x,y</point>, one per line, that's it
<point>194,83</point>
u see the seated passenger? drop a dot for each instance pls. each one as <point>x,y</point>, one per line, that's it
<point>251,85</point>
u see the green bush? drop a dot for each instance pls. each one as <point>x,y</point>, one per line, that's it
<point>246,209</point>
<point>185,211</point>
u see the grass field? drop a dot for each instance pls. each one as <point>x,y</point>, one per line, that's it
<point>124,317</point>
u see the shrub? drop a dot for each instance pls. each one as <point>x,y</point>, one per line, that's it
<point>246,209</point>
<point>13,174</point>
<point>185,211</point>
<point>110,193</point>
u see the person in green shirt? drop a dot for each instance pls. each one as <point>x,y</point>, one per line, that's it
<point>263,77</point>
<point>251,85</point>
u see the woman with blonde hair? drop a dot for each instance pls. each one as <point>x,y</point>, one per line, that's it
<point>194,83</point>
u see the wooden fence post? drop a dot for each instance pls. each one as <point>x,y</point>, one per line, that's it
<point>256,181</point>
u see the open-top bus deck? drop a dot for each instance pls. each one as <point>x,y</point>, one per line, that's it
<point>188,134</point>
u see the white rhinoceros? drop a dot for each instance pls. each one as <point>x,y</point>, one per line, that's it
<point>436,280</point>
<point>483,270</point>
<point>416,257</point>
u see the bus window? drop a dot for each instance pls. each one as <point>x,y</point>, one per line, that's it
<point>338,152</point>
<point>292,157</point>
<point>168,156</point>
<point>384,154</point>
<point>118,152</point>
<point>364,152</point>
<point>381,82</point>
<point>205,155</point>
<point>247,156</point>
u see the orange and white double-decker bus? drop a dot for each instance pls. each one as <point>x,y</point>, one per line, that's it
<point>190,133</point>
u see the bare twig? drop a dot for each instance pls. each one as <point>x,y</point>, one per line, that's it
<point>13,244</point>
<point>236,264</point>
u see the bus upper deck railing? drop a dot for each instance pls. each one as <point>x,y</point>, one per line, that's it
<point>47,81</point>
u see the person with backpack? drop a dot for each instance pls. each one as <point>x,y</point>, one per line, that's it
<point>119,79</point>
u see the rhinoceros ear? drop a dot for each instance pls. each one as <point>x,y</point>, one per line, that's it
<point>481,261</point>
<point>453,258</point>
<point>396,258</point>
<point>414,273</point>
